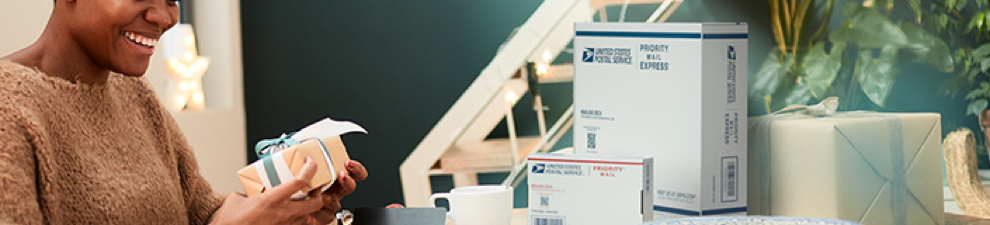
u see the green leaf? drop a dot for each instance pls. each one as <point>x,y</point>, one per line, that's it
<point>979,22</point>
<point>943,19</point>
<point>875,76</point>
<point>958,56</point>
<point>768,79</point>
<point>987,18</point>
<point>868,28</point>
<point>928,48</point>
<point>974,94</point>
<point>985,64</point>
<point>983,51</point>
<point>961,4</point>
<point>975,107</point>
<point>916,8</point>
<point>975,22</point>
<point>820,68</point>
<point>800,95</point>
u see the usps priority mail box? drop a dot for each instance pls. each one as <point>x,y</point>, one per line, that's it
<point>672,91</point>
<point>576,189</point>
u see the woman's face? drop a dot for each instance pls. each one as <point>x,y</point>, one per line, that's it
<point>121,35</point>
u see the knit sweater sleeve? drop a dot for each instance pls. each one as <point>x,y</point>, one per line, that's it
<point>18,171</point>
<point>201,201</point>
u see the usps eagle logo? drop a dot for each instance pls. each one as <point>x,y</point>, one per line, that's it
<point>538,168</point>
<point>589,55</point>
<point>731,52</point>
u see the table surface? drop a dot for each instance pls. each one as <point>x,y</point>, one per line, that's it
<point>519,218</point>
<point>953,215</point>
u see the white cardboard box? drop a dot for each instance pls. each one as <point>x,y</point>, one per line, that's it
<point>589,189</point>
<point>672,91</point>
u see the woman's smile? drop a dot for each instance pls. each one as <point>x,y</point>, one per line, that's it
<point>144,43</point>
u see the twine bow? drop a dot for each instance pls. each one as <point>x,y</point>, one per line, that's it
<point>826,107</point>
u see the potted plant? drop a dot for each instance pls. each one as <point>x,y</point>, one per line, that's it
<point>857,60</point>
<point>966,27</point>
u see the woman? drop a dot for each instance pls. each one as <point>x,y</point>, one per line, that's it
<point>84,140</point>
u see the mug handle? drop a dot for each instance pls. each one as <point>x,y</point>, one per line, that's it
<point>434,197</point>
<point>433,202</point>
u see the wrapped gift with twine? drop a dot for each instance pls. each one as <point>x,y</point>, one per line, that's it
<point>868,167</point>
<point>281,158</point>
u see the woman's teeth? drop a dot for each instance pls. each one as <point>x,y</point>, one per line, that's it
<point>139,39</point>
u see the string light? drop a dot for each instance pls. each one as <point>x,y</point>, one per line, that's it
<point>541,69</point>
<point>510,96</point>
<point>185,67</point>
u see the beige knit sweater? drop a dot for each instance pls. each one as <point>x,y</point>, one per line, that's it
<point>93,154</point>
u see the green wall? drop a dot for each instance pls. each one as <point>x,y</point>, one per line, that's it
<point>395,67</point>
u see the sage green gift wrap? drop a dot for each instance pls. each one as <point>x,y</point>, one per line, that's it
<point>873,168</point>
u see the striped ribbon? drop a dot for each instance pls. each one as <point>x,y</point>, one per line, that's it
<point>273,165</point>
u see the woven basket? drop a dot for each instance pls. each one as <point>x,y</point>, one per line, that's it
<point>964,181</point>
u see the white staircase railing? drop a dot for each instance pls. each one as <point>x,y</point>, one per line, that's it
<point>456,145</point>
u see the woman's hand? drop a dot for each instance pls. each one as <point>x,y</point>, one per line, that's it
<point>346,184</point>
<point>273,206</point>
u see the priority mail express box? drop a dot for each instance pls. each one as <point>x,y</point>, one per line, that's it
<point>589,189</point>
<point>672,91</point>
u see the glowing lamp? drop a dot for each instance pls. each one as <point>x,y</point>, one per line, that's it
<point>185,68</point>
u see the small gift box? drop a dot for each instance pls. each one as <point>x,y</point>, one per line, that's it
<point>281,158</point>
<point>872,168</point>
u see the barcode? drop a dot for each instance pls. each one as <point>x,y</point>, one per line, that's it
<point>544,201</point>
<point>547,221</point>
<point>730,170</point>
<point>591,140</point>
<point>730,179</point>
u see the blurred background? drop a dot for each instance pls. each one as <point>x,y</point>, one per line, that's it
<point>396,67</point>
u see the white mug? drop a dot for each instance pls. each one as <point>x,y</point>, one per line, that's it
<point>478,205</point>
